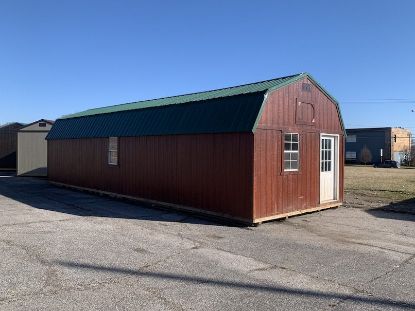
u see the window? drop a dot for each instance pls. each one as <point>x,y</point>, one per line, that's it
<point>42,124</point>
<point>291,152</point>
<point>113,151</point>
<point>326,154</point>
<point>350,138</point>
<point>351,155</point>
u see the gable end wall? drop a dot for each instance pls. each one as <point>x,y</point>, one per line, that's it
<point>277,192</point>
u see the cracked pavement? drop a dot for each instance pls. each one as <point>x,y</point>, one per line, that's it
<point>69,250</point>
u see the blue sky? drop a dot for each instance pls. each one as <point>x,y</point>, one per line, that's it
<point>60,57</point>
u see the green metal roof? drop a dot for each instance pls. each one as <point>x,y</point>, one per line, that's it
<point>193,97</point>
<point>219,115</point>
<point>233,109</point>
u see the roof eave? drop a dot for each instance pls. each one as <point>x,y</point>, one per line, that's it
<point>34,122</point>
<point>336,102</point>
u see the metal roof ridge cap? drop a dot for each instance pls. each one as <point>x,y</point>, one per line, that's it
<point>167,97</point>
<point>200,92</point>
<point>68,117</point>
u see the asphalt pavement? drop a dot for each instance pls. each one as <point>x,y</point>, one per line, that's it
<point>69,250</point>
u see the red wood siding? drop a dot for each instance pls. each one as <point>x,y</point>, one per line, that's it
<point>280,109</point>
<point>211,172</point>
<point>278,192</point>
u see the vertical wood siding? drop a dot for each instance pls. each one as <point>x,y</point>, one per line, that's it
<point>210,172</point>
<point>237,175</point>
<point>280,109</point>
<point>278,192</point>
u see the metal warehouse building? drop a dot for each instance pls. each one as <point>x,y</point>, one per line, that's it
<point>371,145</point>
<point>8,145</point>
<point>252,153</point>
<point>32,149</point>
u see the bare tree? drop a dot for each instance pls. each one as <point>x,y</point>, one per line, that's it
<point>412,156</point>
<point>407,157</point>
<point>365,155</point>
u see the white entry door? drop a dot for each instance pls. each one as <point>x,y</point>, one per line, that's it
<point>328,168</point>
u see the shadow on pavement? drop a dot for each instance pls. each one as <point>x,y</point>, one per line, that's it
<point>40,194</point>
<point>403,210</point>
<point>8,173</point>
<point>361,298</point>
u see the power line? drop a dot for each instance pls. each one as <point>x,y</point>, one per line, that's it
<point>377,103</point>
<point>410,100</point>
<point>378,136</point>
<point>366,126</point>
<point>401,101</point>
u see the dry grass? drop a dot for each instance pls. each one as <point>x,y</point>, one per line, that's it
<point>379,184</point>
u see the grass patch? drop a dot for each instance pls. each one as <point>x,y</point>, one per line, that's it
<point>386,184</point>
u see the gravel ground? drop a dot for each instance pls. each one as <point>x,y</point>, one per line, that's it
<point>67,250</point>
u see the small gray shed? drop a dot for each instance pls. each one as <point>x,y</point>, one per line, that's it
<point>32,149</point>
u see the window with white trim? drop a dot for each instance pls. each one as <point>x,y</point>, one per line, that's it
<point>113,150</point>
<point>291,154</point>
<point>326,155</point>
<point>350,138</point>
<point>351,155</point>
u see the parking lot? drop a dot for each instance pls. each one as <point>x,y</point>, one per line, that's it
<point>69,250</point>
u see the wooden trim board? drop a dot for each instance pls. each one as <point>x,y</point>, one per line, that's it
<point>197,211</point>
<point>295,213</point>
<point>161,204</point>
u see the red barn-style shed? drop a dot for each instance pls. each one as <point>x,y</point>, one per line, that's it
<point>251,153</point>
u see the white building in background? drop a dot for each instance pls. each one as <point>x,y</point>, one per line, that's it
<point>32,149</point>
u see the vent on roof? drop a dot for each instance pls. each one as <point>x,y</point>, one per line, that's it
<point>42,124</point>
<point>306,87</point>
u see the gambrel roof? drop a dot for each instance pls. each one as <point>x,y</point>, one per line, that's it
<point>227,110</point>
